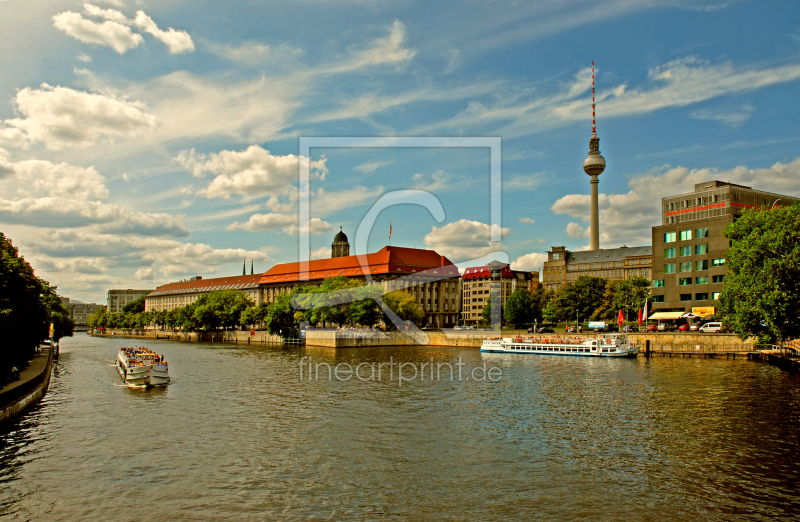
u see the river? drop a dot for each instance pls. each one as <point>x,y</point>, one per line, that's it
<point>239,435</point>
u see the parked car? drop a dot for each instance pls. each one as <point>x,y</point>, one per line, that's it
<point>712,327</point>
<point>651,328</point>
<point>694,327</point>
<point>665,327</point>
<point>545,329</point>
<point>630,328</point>
<point>610,328</point>
<point>683,328</point>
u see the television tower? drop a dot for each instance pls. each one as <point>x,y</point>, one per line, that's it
<point>594,165</point>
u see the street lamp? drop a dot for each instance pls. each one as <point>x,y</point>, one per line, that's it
<point>776,202</point>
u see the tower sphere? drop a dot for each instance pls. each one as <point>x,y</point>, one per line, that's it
<point>594,164</point>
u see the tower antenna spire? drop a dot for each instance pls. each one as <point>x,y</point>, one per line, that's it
<point>594,129</point>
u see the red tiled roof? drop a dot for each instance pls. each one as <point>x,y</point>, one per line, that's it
<point>483,271</point>
<point>207,285</point>
<point>389,260</point>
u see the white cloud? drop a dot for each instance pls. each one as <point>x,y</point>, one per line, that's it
<point>59,116</point>
<point>106,14</point>
<point>731,118</point>
<point>324,202</point>
<point>145,274</point>
<point>454,60</point>
<point>265,222</point>
<point>255,53</point>
<point>253,172</point>
<point>463,239</point>
<point>84,57</point>
<point>628,218</point>
<point>527,220</point>
<point>62,179</point>
<point>115,3</point>
<point>441,181</point>
<point>320,253</point>
<point>315,226</point>
<point>109,33</point>
<point>178,42</point>
<point>574,230</point>
<point>388,50</point>
<point>526,181</point>
<point>529,262</point>
<point>371,166</point>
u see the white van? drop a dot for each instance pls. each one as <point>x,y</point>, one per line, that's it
<point>711,327</point>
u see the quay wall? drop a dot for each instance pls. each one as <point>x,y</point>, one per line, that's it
<point>14,400</point>
<point>244,336</point>
<point>473,339</point>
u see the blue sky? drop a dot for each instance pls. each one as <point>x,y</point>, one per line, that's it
<point>146,142</point>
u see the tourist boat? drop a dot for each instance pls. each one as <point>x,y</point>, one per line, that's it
<point>600,346</point>
<point>140,366</point>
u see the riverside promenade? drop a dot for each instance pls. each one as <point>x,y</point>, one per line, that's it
<point>31,386</point>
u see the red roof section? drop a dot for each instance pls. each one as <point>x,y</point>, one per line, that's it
<point>389,260</point>
<point>207,285</point>
<point>483,271</point>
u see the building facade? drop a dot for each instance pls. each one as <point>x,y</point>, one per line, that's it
<point>117,299</point>
<point>617,264</point>
<point>476,286</point>
<point>431,278</point>
<point>80,312</point>
<point>182,293</point>
<point>689,249</point>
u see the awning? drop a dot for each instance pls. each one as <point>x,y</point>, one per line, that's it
<point>689,315</point>
<point>666,315</point>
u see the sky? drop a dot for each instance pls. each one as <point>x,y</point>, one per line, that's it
<point>146,142</point>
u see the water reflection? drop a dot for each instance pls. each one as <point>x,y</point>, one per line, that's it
<point>238,435</point>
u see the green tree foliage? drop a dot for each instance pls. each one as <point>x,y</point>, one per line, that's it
<point>607,309</point>
<point>220,309</point>
<point>630,296</point>
<point>520,308</point>
<point>404,306</point>
<point>486,313</point>
<point>27,307</point>
<point>281,318</point>
<point>577,299</point>
<point>134,307</point>
<point>761,293</point>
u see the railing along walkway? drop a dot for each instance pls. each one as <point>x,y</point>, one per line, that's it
<point>706,351</point>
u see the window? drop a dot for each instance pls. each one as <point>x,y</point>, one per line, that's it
<point>715,296</point>
<point>700,233</point>
<point>669,268</point>
<point>685,235</point>
<point>686,297</point>
<point>701,280</point>
<point>669,252</point>
<point>701,265</point>
<point>701,296</point>
<point>555,255</point>
<point>701,249</point>
<point>686,266</point>
<point>658,299</point>
<point>683,281</point>
<point>657,283</point>
<point>669,237</point>
<point>718,279</point>
<point>686,251</point>
<point>718,262</point>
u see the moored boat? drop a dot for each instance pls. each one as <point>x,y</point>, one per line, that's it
<point>599,346</point>
<point>140,366</point>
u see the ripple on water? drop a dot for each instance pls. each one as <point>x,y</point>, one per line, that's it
<point>238,435</point>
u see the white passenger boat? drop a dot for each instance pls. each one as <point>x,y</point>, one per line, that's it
<point>140,366</point>
<point>600,346</point>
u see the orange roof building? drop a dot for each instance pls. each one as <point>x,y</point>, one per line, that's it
<point>176,295</point>
<point>431,278</point>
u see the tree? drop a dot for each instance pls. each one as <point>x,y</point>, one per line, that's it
<point>281,317</point>
<point>135,306</point>
<point>631,294</point>
<point>578,299</point>
<point>761,293</point>
<point>404,306</point>
<point>486,313</point>
<point>519,308</point>
<point>607,309</point>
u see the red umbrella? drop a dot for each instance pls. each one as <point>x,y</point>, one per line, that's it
<point>620,319</point>
<point>640,317</point>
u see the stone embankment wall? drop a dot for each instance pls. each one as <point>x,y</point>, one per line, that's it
<point>22,395</point>
<point>470,338</point>
<point>177,335</point>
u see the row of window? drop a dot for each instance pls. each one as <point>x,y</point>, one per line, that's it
<point>685,235</point>
<point>686,251</point>
<point>686,266</point>
<point>659,283</point>
<point>700,296</point>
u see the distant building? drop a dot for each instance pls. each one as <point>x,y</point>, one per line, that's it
<point>476,286</point>
<point>117,299</point>
<point>340,246</point>
<point>176,295</point>
<point>431,278</point>
<point>564,267</point>
<point>689,249</point>
<point>80,312</point>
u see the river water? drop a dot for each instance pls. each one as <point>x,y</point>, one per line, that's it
<point>239,435</point>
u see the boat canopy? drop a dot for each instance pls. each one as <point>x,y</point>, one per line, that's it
<point>666,315</point>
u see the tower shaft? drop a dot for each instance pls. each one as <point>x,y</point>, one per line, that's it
<point>594,238</point>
